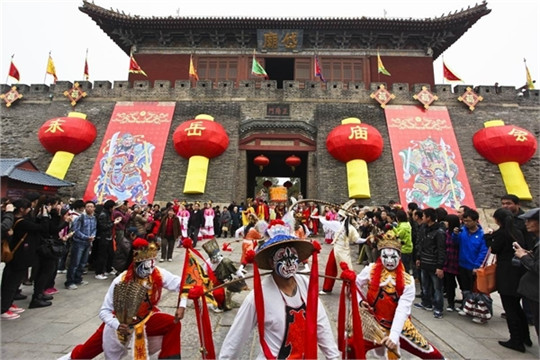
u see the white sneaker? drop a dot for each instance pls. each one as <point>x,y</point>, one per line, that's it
<point>16,309</point>
<point>72,287</point>
<point>82,283</point>
<point>161,260</point>
<point>215,309</point>
<point>461,312</point>
<point>9,315</point>
<point>479,321</point>
<point>170,260</point>
<point>101,277</point>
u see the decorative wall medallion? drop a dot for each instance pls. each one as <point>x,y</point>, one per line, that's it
<point>75,94</point>
<point>425,97</point>
<point>382,96</point>
<point>11,96</point>
<point>470,98</point>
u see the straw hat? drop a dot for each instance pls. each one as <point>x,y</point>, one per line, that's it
<point>344,211</point>
<point>281,237</point>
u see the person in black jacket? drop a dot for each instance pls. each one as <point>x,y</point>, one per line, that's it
<point>45,263</point>
<point>507,278</point>
<point>104,233</point>
<point>431,252</point>
<point>528,284</point>
<point>196,221</point>
<point>16,270</point>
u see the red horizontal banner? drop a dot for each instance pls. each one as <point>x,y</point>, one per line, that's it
<point>428,164</point>
<point>129,160</point>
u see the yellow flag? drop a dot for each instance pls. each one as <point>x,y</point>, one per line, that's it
<point>192,70</point>
<point>380,66</point>
<point>530,82</point>
<point>51,70</point>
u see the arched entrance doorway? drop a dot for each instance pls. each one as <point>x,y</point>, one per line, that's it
<point>277,148</point>
<point>277,172</point>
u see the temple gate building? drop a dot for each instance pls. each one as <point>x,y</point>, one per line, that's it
<point>426,151</point>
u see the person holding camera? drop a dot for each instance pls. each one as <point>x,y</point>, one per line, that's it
<point>528,284</point>
<point>508,276</point>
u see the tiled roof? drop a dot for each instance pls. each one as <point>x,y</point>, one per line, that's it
<point>8,168</point>
<point>127,30</point>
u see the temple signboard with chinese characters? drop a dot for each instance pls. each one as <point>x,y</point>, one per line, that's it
<point>279,40</point>
<point>277,110</point>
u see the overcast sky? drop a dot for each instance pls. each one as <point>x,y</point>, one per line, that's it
<point>492,50</point>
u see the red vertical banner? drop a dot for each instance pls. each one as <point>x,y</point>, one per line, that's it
<point>129,160</point>
<point>428,164</point>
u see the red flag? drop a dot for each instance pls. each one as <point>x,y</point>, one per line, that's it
<point>449,75</point>
<point>86,74</point>
<point>134,67</point>
<point>317,69</point>
<point>14,72</point>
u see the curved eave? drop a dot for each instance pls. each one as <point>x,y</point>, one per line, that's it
<point>457,23</point>
<point>38,178</point>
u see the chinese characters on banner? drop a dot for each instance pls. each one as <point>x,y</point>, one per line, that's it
<point>129,160</point>
<point>428,164</point>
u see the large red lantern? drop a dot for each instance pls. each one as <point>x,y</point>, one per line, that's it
<point>199,140</point>
<point>65,137</point>
<point>355,144</point>
<point>507,146</point>
<point>293,161</point>
<point>261,161</point>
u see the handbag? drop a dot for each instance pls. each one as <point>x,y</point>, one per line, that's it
<point>52,249</point>
<point>485,275</point>
<point>7,254</point>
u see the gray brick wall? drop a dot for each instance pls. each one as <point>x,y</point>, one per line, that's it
<point>322,108</point>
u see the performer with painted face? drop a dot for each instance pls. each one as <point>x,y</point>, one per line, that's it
<point>225,272</point>
<point>388,291</point>
<point>130,314</point>
<point>281,306</point>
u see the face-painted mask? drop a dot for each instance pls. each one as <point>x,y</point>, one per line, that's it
<point>390,258</point>
<point>145,268</point>
<point>285,262</point>
<point>216,258</point>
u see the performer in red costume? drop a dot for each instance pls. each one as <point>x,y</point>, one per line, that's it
<point>388,291</point>
<point>153,329</point>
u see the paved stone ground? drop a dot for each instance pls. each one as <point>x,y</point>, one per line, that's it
<point>48,333</point>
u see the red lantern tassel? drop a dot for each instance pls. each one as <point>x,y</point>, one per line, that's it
<point>259,305</point>
<point>310,347</point>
